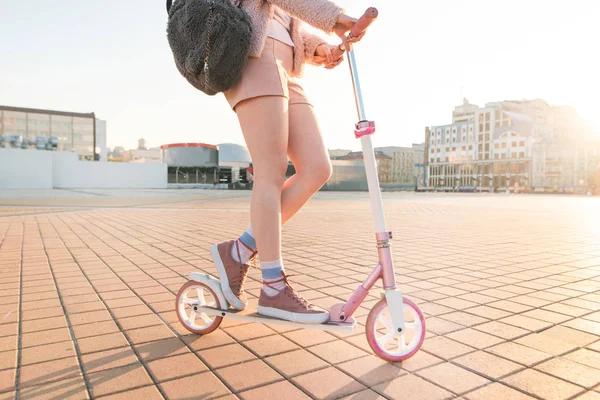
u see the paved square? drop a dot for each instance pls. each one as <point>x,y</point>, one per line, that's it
<point>510,286</point>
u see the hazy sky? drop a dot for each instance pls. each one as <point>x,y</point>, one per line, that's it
<point>112,57</point>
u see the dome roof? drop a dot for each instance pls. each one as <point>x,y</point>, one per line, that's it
<point>231,152</point>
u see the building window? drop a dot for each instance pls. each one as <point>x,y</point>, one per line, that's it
<point>504,145</point>
<point>496,146</point>
<point>522,144</point>
<point>496,156</point>
<point>481,137</point>
<point>470,138</point>
<point>522,154</point>
<point>514,144</point>
<point>514,155</point>
<point>503,156</point>
<point>447,159</point>
<point>454,149</point>
<point>464,148</point>
<point>487,137</point>
<point>447,149</point>
<point>471,147</point>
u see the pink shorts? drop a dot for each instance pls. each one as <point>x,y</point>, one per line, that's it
<point>268,75</point>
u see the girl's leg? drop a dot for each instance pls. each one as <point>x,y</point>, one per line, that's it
<point>264,123</point>
<point>307,151</point>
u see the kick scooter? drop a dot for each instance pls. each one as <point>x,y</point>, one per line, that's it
<point>395,326</point>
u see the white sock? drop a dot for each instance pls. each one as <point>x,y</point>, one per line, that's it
<point>272,274</point>
<point>245,254</point>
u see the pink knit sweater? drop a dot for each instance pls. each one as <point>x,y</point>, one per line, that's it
<point>321,14</point>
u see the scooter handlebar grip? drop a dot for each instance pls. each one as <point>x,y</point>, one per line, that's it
<point>364,21</point>
<point>358,29</point>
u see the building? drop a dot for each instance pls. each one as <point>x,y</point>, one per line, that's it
<point>407,164</point>
<point>191,163</point>
<point>81,133</point>
<point>508,144</point>
<point>142,155</point>
<point>384,164</point>
<point>337,153</point>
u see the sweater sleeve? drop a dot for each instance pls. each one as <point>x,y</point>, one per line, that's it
<point>322,14</point>
<point>311,42</point>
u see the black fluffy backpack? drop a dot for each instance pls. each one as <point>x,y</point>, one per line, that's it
<point>210,41</point>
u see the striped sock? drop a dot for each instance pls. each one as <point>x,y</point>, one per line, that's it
<point>271,274</point>
<point>246,245</point>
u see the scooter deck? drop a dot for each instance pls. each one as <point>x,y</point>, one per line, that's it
<point>250,315</point>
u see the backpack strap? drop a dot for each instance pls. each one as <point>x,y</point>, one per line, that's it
<point>169,2</point>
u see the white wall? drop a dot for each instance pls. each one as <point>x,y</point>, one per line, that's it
<point>70,173</point>
<point>36,169</point>
<point>25,169</point>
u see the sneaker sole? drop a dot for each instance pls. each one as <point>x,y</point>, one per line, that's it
<point>320,318</point>
<point>227,292</point>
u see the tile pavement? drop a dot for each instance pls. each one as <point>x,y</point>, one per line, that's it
<point>510,287</point>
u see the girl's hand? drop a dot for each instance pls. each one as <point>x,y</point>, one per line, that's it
<point>324,55</point>
<point>343,25</point>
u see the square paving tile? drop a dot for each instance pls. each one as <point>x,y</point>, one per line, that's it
<point>270,345</point>
<point>175,367</point>
<point>71,389</point>
<point>282,390</point>
<point>108,359</point>
<point>418,388</point>
<point>585,357</point>
<point>50,371</point>
<point>497,391</point>
<point>488,364</point>
<point>118,379</point>
<point>445,348</point>
<point>296,362</point>
<point>144,393</point>
<point>571,371</point>
<point>248,375</point>
<point>542,385</point>
<point>328,383</point>
<point>474,338</point>
<point>545,343</point>
<point>371,370</point>
<point>455,379</point>
<point>518,353</point>
<point>337,351</point>
<point>202,386</point>
<point>47,352</point>
<point>235,354</point>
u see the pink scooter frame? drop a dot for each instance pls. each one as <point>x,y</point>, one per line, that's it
<point>342,312</point>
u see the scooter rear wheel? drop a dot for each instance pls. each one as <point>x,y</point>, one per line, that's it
<point>385,341</point>
<point>190,296</point>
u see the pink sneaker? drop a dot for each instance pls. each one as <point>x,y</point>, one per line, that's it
<point>290,306</point>
<point>232,273</point>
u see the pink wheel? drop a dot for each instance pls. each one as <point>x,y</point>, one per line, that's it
<point>190,297</point>
<point>391,345</point>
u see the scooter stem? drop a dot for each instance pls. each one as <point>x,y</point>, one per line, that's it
<point>368,152</point>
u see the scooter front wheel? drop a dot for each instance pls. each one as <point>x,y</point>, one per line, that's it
<point>385,341</point>
<point>191,296</point>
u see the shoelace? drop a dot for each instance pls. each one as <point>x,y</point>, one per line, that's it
<point>295,295</point>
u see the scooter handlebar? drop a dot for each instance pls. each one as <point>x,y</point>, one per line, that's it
<point>358,29</point>
<point>364,21</point>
